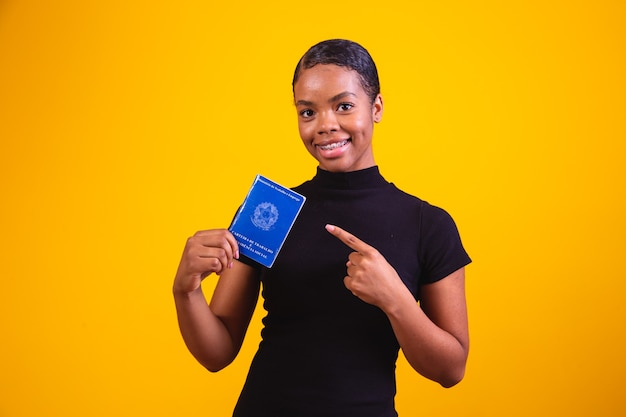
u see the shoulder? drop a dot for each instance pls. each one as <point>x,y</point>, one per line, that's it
<point>435,214</point>
<point>402,196</point>
<point>302,187</point>
<point>436,223</point>
<point>428,212</point>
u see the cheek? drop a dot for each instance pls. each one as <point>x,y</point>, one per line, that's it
<point>304,130</point>
<point>361,125</point>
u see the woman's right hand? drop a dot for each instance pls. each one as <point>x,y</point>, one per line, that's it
<point>206,252</point>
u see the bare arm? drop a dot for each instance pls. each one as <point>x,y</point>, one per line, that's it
<point>214,332</point>
<point>435,337</point>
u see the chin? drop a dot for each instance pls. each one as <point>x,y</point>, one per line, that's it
<point>336,167</point>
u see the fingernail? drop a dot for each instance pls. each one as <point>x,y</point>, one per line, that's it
<point>330,227</point>
<point>236,254</point>
<point>230,265</point>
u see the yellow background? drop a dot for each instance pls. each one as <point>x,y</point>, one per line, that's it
<point>126,126</point>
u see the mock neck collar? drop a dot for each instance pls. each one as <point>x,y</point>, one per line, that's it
<point>362,179</point>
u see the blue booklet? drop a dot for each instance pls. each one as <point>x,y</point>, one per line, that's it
<point>264,220</point>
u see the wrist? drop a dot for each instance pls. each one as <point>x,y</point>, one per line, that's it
<point>184,293</point>
<point>400,300</point>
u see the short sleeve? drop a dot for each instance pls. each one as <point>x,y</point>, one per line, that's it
<point>441,249</point>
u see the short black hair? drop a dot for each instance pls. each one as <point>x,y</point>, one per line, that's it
<point>343,53</point>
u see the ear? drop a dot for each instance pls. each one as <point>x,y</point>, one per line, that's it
<point>377,109</point>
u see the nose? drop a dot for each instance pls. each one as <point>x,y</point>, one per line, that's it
<point>327,123</point>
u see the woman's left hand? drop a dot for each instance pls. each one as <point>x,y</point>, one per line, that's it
<point>433,335</point>
<point>369,276</point>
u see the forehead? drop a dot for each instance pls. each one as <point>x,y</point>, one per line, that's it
<point>327,79</point>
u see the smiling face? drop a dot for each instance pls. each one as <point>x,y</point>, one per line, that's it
<point>336,117</point>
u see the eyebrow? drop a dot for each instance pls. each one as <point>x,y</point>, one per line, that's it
<point>331,100</point>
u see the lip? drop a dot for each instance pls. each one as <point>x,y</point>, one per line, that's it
<point>332,145</point>
<point>332,149</point>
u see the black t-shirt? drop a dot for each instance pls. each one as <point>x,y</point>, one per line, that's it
<point>324,352</point>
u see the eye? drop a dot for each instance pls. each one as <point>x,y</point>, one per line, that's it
<point>306,113</point>
<point>345,106</point>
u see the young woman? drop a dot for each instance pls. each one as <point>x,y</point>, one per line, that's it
<point>342,296</point>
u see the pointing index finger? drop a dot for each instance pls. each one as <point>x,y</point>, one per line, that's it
<point>348,238</point>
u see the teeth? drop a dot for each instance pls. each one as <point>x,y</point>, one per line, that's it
<point>333,145</point>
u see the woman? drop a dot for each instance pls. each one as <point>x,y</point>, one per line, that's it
<point>341,298</point>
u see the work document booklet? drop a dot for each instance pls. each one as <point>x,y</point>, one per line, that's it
<point>264,220</point>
